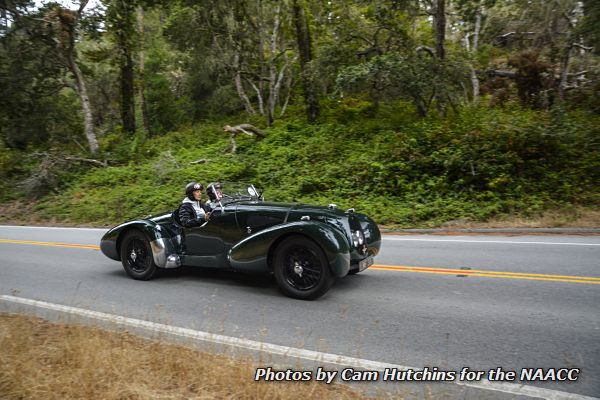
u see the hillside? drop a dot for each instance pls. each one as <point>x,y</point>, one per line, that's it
<point>481,164</point>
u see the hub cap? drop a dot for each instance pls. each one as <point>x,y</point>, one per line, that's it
<point>138,255</point>
<point>303,269</point>
<point>298,269</point>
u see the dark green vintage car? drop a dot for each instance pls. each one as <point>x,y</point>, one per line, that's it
<point>306,247</point>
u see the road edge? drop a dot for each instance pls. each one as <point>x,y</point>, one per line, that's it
<point>233,343</point>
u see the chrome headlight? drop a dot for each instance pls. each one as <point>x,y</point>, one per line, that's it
<point>358,239</point>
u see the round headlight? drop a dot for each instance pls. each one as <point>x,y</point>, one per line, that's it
<point>358,238</point>
<point>354,239</point>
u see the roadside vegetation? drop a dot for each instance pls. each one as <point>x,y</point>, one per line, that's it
<point>420,114</point>
<point>42,360</point>
<point>480,165</point>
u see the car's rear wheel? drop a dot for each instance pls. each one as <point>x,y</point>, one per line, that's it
<point>301,268</point>
<point>136,256</point>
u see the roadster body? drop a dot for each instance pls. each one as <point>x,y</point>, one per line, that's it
<point>306,247</point>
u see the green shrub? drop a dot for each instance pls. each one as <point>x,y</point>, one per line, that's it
<point>472,166</point>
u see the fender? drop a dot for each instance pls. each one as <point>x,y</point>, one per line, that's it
<point>371,232</point>
<point>163,249</point>
<point>252,253</point>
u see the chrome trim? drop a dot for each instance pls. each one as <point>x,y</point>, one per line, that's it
<point>163,254</point>
<point>358,241</point>
<point>173,261</point>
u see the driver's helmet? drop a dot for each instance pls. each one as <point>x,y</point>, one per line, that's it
<point>215,191</point>
<point>191,187</point>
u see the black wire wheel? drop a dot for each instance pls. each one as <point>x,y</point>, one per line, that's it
<point>136,256</point>
<point>301,268</point>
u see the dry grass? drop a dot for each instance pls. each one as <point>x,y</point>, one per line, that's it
<point>573,217</point>
<point>42,360</point>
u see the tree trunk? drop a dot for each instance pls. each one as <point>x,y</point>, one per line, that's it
<point>237,79</point>
<point>67,21</point>
<point>440,52</point>
<point>3,22</point>
<point>124,23</point>
<point>565,58</point>
<point>142,85</point>
<point>290,85</point>
<point>127,91</point>
<point>440,28</point>
<point>278,81</point>
<point>261,106</point>
<point>474,48</point>
<point>273,87</point>
<point>262,49</point>
<point>232,144</point>
<point>474,84</point>
<point>303,38</point>
<point>564,70</point>
<point>88,121</point>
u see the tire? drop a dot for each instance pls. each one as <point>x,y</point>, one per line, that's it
<point>136,256</point>
<point>301,269</point>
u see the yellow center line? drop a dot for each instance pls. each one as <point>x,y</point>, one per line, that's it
<point>398,268</point>
<point>478,271</point>
<point>58,244</point>
<point>489,274</point>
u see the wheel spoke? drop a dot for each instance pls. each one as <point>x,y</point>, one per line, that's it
<point>303,269</point>
<point>137,256</point>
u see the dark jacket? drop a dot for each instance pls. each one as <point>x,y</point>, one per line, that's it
<point>188,215</point>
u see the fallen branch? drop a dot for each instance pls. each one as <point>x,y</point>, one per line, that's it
<point>426,49</point>
<point>200,161</point>
<point>88,160</point>
<point>506,35</point>
<point>582,47</point>
<point>581,73</point>
<point>247,129</point>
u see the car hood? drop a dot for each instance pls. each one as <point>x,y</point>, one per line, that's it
<point>307,209</point>
<point>346,221</point>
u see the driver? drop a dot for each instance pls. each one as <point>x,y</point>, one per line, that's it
<point>191,211</point>
<point>215,194</point>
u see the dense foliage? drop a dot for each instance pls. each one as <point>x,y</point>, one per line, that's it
<point>477,165</point>
<point>417,113</point>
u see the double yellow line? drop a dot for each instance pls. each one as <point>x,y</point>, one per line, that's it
<point>56,244</point>
<point>397,268</point>
<point>489,274</point>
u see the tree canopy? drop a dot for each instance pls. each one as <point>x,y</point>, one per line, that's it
<point>97,81</point>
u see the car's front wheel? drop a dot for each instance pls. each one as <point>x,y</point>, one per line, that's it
<point>301,269</point>
<point>136,256</point>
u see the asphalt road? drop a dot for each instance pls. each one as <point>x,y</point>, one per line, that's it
<point>430,301</point>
